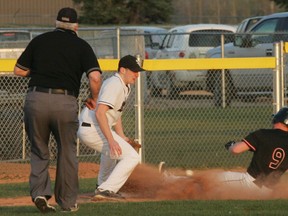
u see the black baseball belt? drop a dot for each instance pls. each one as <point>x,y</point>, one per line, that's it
<point>85,124</point>
<point>51,90</point>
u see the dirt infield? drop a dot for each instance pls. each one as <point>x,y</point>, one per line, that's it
<point>138,187</point>
<point>147,184</point>
<point>8,175</point>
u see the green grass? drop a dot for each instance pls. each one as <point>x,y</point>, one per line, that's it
<point>151,208</point>
<point>194,137</point>
<point>167,208</point>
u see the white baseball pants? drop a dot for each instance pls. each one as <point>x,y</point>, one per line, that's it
<point>113,173</point>
<point>243,181</point>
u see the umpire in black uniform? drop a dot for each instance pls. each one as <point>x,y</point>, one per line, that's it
<point>55,62</point>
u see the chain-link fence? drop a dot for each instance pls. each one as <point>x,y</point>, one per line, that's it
<point>187,129</point>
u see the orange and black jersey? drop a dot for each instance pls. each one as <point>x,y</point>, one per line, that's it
<point>270,161</point>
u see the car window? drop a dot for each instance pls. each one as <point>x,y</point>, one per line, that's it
<point>284,25</point>
<point>250,23</point>
<point>246,24</point>
<point>208,38</point>
<point>152,38</point>
<point>158,37</point>
<point>169,39</point>
<point>14,36</point>
<point>241,27</point>
<point>267,27</point>
<point>148,40</point>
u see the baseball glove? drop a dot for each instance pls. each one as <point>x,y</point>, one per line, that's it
<point>90,103</point>
<point>134,144</point>
<point>229,144</point>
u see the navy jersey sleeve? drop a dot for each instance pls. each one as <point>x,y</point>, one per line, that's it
<point>252,140</point>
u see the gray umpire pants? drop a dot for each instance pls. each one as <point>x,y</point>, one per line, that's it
<point>46,113</point>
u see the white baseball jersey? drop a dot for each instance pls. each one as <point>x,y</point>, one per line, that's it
<point>114,94</point>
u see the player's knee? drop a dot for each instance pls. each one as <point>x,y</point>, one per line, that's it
<point>135,158</point>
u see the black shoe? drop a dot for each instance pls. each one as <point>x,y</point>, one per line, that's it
<point>106,194</point>
<point>42,204</point>
<point>71,209</point>
<point>96,188</point>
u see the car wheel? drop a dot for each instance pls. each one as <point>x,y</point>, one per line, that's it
<point>249,98</point>
<point>172,91</point>
<point>155,92</point>
<point>215,85</point>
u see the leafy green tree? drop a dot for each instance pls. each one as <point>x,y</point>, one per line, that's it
<point>124,11</point>
<point>281,3</point>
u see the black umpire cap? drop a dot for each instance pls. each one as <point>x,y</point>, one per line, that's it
<point>68,15</point>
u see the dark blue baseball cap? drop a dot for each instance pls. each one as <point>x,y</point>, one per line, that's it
<point>131,63</point>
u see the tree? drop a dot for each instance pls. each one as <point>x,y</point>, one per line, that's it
<point>281,3</point>
<point>124,11</point>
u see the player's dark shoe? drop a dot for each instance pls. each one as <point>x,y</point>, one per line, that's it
<point>42,204</point>
<point>96,188</point>
<point>107,195</point>
<point>71,209</point>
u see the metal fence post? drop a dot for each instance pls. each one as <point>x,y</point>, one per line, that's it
<point>223,74</point>
<point>118,43</point>
<point>23,142</point>
<point>282,74</point>
<point>78,141</point>
<point>139,104</point>
<point>278,85</point>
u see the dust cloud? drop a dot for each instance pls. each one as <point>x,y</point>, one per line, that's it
<point>147,182</point>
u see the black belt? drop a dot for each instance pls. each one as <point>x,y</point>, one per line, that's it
<point>51,90</point>
<point>85,124</point>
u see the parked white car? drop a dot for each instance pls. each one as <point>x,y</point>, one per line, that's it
<point>13,42</point>
<point>189,41</point>
<point>104,41</point>
<point>258,41</point>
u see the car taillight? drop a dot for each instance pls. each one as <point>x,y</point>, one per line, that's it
<point>8,34</point>
<point>181,54</point>
<point>146,55</point>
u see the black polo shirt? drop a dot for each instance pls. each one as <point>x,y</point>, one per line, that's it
<point>58,59</point>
